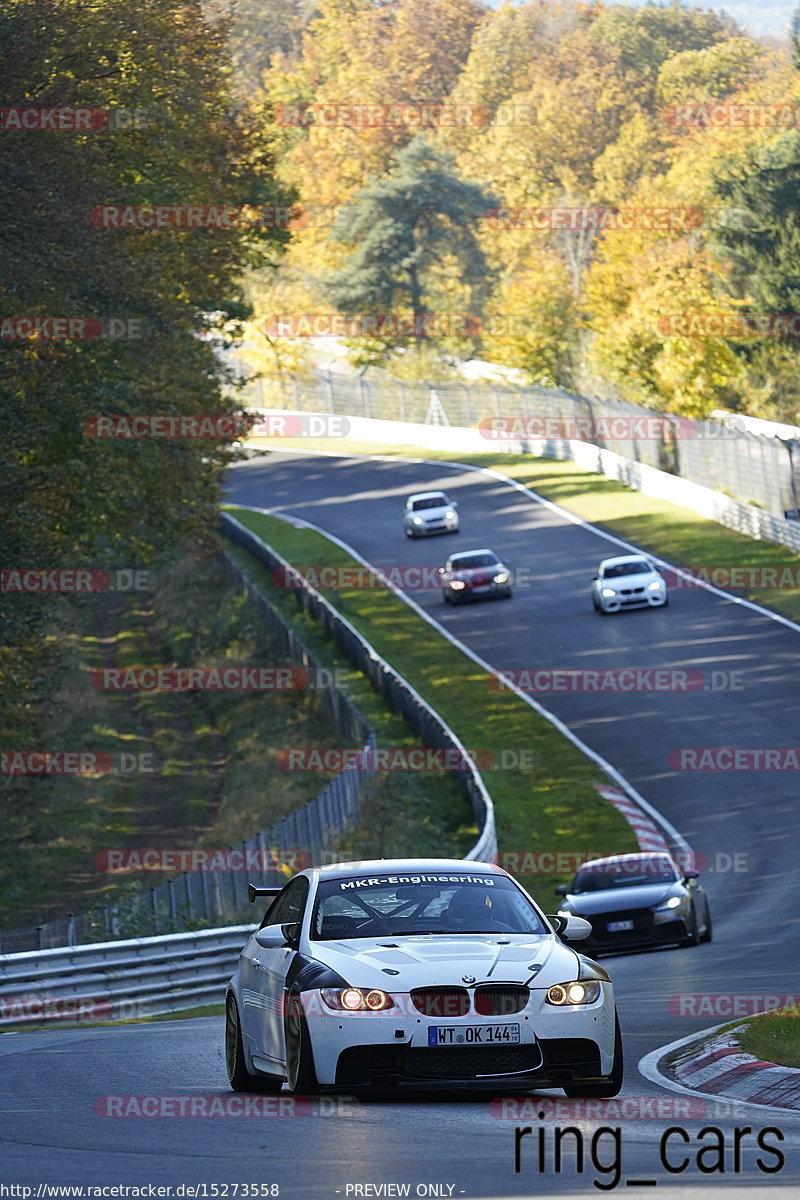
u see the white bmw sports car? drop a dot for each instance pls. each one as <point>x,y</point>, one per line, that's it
<point>438,972</point>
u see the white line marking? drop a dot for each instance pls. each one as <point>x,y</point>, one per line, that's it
<point>572,518</point>
<point>606,766</point>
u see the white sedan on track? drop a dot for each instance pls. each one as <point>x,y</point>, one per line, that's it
<point>420,972</point>
<point>628,581</point>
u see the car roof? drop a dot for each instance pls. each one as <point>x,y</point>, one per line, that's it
<point>469,553</point>
<point>426,495</point>
<point>413,866</point>
<point>623,558</point>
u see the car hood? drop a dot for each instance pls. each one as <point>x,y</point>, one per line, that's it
<point>427,513</point>
<point>620,899</point>
<point>624,581</point>
<point>445,958</point>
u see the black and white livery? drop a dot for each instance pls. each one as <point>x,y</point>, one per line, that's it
<point>424,972</point>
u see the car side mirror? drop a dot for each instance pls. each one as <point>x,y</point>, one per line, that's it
<point>569,928</point>
<point>454,504</point>
<point>561,890</point>
<point>687,875</point>
<point>272,937</point>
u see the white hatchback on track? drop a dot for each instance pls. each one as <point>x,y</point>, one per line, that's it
<point>430,512</point>
<point>628,581</point>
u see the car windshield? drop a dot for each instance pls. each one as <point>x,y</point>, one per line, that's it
<point>396,906</point>
<point>632,873</point>
<point>638,567</point>
<point>430,502</point>
<point>467,562</point>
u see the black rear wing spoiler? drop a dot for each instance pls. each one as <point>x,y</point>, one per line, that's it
<point>254,892</point>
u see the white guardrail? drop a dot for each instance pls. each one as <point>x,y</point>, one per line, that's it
<point>744,518</point>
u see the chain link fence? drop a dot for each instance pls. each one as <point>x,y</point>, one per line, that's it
<point>751,468</point>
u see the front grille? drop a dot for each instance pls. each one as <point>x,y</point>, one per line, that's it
<point>500,999</point>
<point>441,1001</point>
<point>469,1062</point>
<point>632,591</point>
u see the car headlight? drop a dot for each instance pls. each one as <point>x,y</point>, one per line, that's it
<point>566,994</point>
<point>673,902</point>
<point>356,999</point>
<point>655,586</point>
<point>457,584</point>
<point>608,593</point>
<point>502,577</point>
<point>416,520</point>
<point>450,515</point>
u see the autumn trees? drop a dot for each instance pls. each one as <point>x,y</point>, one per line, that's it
<point>566,108</point>
<point>165,135</point>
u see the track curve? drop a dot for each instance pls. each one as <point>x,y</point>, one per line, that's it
<point>53,1129</point>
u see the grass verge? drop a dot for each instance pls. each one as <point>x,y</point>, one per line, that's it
<point>773,1037</point>
<point>552,806</point>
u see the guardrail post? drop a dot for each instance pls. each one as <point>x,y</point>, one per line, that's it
<point>154,907</point>
<point>71,930</point>
<point>173,912</point>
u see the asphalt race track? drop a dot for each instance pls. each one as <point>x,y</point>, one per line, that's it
<point>51,1084</point>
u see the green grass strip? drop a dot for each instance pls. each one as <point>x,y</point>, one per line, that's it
<point>553,806</point>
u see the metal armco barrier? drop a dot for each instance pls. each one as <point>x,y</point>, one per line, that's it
<point>399,694</point>
<point>116,981</point>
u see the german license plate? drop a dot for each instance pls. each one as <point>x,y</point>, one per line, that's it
<point>472,1035</point>
<point>619,926</point>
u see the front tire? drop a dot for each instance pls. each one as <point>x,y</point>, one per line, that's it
<point>241,1080</point>
<point>300,1070</point>
<point>613,1086</point>
<point>692,938</point>
<point>709,933</point>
